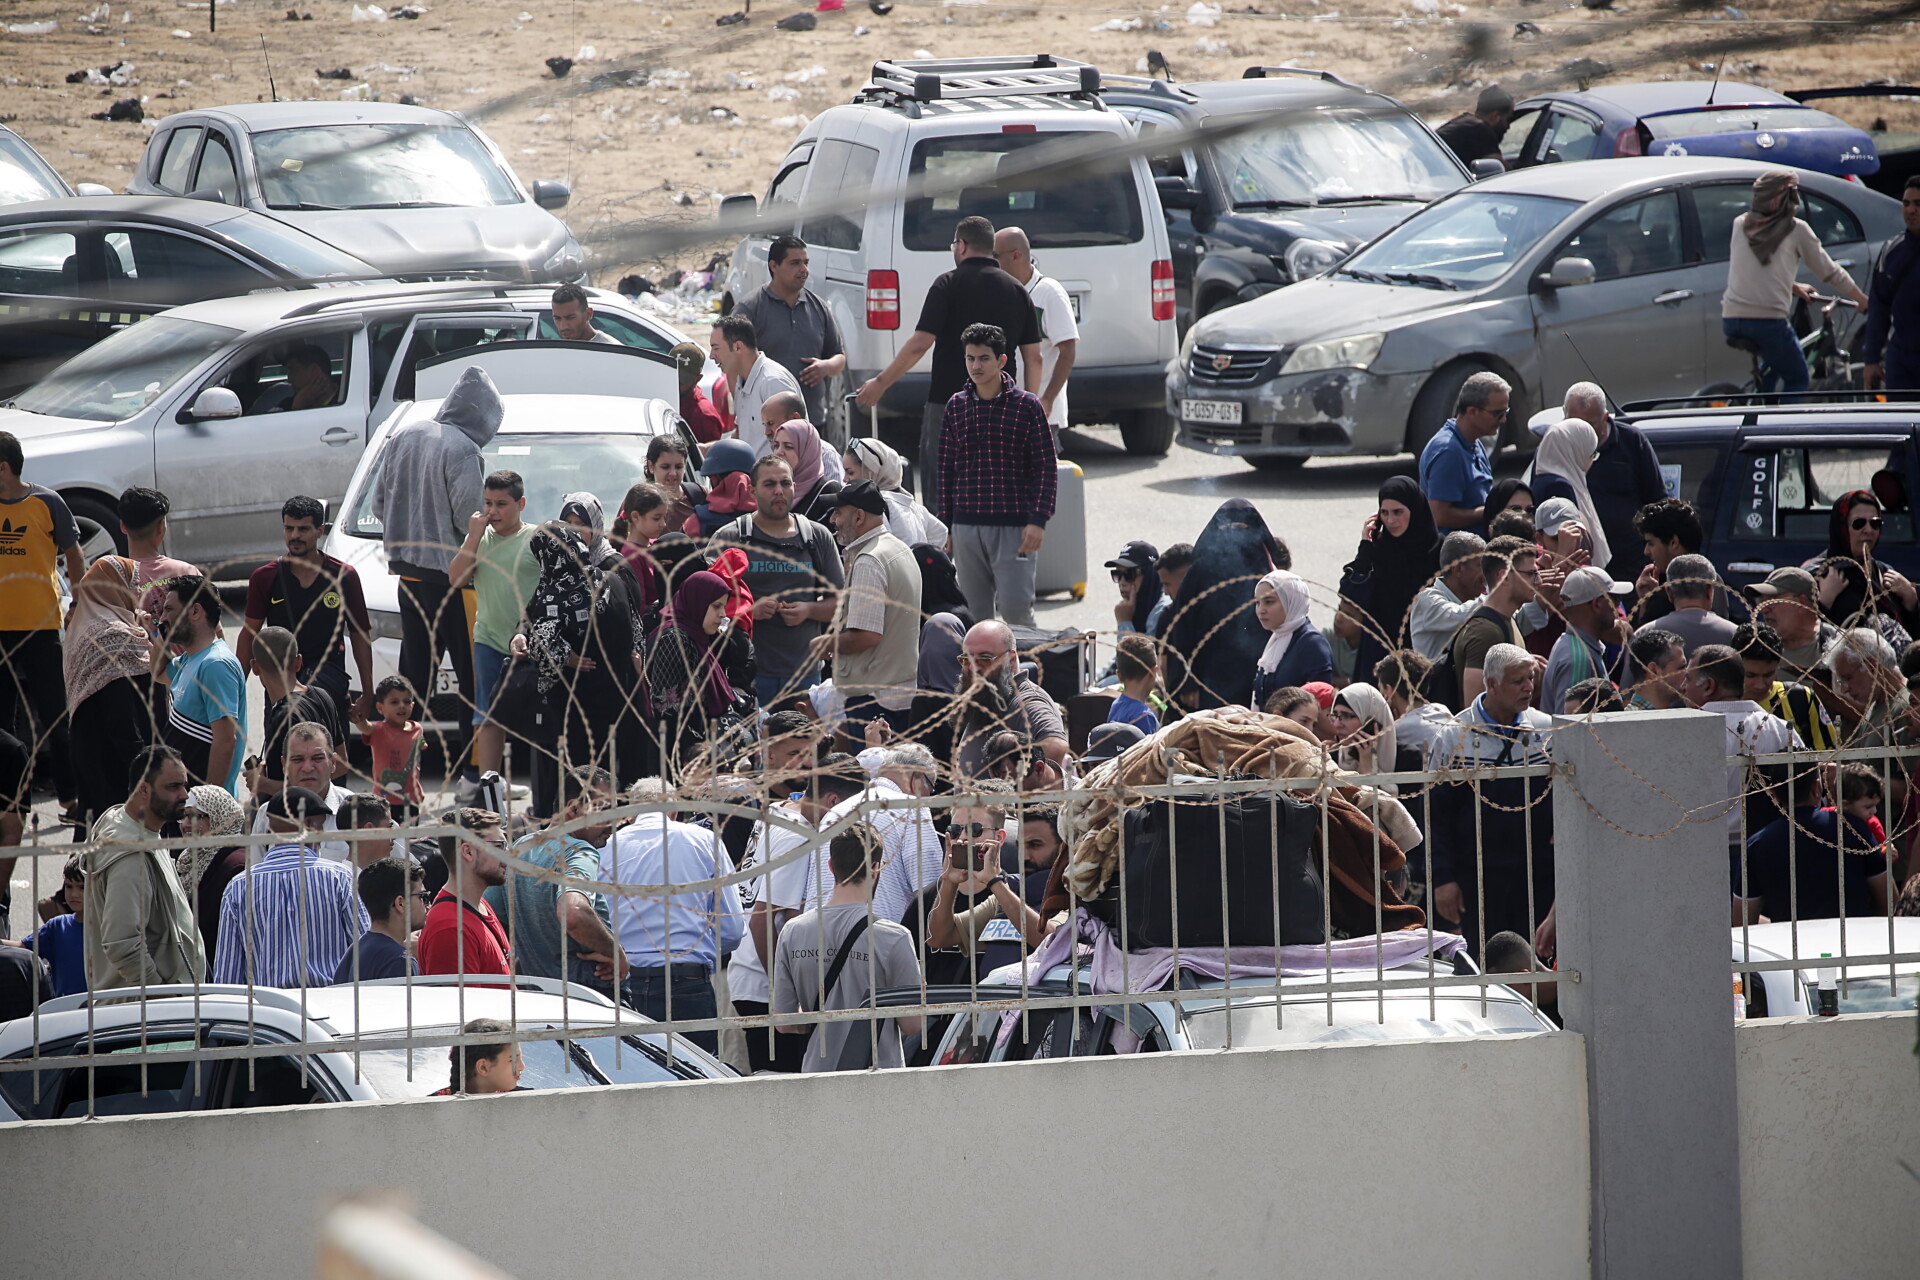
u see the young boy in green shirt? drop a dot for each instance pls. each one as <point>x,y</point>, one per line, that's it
<point>497,558</point>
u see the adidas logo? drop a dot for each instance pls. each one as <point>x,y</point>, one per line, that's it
<point>9,534</point>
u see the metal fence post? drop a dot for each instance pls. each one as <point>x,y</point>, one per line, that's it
<point>1640,869</point>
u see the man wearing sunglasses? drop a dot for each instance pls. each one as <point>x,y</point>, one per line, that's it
<point>999,698</point>
<point>395,895</point>
<point>1455,473</point>
<point>1891,347</point>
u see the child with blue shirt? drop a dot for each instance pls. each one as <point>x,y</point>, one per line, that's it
<point>1140,703</point>
<point>61,941</point>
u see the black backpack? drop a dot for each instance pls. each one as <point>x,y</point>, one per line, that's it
<point>1442,683</point>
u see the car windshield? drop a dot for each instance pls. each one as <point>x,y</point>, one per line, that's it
<point>546,1064</point>
<point>378,166</point>
<point>1335,157</point>
<point>1307,1022</point>
<point>1464,242</point>
<point>1099,204</point>
<point>23,175</point>
<point>1695,124</point>
<point>552,464</point>
<point>1874,995</point>
<point>116,378</point>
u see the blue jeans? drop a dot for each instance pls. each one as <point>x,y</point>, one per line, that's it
<point>489,664</point>
<point>692,986</point>
<point>1783,366</point>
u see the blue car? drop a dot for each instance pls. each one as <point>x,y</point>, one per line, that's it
<point>1685,118</point>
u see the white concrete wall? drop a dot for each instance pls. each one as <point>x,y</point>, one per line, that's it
<point>1827,1108</point>
<point>1355,1160</point>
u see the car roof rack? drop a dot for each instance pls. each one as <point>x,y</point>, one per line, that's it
<point>450,289</point>
<point>272,997</point>
<point>1150,84</point>
<point>1268,73</point>
<point>942,79</point>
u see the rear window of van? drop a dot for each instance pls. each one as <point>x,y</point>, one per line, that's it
<point>1076,210</point>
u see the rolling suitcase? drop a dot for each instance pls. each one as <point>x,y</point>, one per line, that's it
<point>1063,556</point>
<point>1062,660</point>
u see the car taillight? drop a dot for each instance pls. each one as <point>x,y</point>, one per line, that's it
<point>1628,144</point>
<point>1163,289</point>
<point>883,299</point>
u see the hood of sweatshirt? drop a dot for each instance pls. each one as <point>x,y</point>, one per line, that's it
<point>473,406</point>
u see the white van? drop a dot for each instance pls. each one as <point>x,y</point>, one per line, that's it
<point>952,123</point>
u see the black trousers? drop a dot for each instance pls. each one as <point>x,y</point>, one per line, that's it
<point>767,1049</point>
<point>433,621</point>
<point>33,701</point>
<point>109,729</point>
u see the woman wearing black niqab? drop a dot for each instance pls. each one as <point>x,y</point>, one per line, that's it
<point>1213,639</point>
<point>1378,586</point>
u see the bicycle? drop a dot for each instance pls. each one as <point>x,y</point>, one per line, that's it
<point>1830,365</point>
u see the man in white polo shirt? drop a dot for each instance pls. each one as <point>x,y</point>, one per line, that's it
<point>1059,335</point>
<point>751,377</point>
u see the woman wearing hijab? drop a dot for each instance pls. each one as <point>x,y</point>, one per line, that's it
<point>1365,740</point>
<point>105,658</point>
<point>1560,471</point>
<point>693,671</point>
<point>581,632</point>
<point>1510,493</point>
<point>1770,245</point>
<point>798,441</point>
<point>1855,588</point>
<point>1296,652</point>
<point>1399,555</point>
<point>205,870</point>
<point>869,458</point>
<point>1213,638</point>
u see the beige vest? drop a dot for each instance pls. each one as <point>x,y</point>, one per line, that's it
<point>888,670</point>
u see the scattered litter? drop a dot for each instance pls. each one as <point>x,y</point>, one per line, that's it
<point>631,78</point>
<point>922,53</point>
<point>671,76</point>
<point>1203,14</point>
<point>666,19</point>
<point>524,17</point>
<point>683,199</point>
<point>782,93</point>
<point>338,73</point>
<point>408,100</point>
<point>1735,14</point>
<point>294,15</point>
<point>118,74</point>
<point>722,113</point>
<point>411,11</point>
<point>880,7</point>
<point>1209,47</point>
<point>372,13</point>
<point>863,31</point>
<point>559,67</point>
<point>830,6</point>
<point>733,19</point>
<point>634,286</point>
<point>1121,24</point>
<point>1431,7</point>
<point>1587,68</point>
<point>587,53</point>
<point>1526,31</point>
<point>390,69</point>
<point>125,109</point>
<point>798,22</point>
<point>32,28</point>
<point>804,74</point>
<point>359,93</point>
<point>180,33</point>
<point>789,122</point>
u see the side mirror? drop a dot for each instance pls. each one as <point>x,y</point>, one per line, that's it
<point>1487,167</point>
<point>1176,194</point>
<point>91,189</point>
<point>551,195</point>
<point>214,402</point>
<point>738,207</point>
<point>1566,273</point>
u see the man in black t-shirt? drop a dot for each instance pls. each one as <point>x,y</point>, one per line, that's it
<point>976,291</point>
<point>316,597</point>
<point>1475,135</point>
<point>276,660</point>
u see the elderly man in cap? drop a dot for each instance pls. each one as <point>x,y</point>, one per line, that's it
<point>1475,135</point>
<point>1594,642</point>
<point>1786,601</point>
<point>1691,583</point>
<point>874,638</point>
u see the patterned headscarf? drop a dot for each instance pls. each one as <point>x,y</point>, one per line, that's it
<point>226,817</point>
<point>1769,221</point>
<point>562,608</point>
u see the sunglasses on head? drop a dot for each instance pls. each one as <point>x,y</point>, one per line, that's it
<point>1868,522</point>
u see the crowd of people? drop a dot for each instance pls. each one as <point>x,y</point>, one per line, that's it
<point>770,640</point>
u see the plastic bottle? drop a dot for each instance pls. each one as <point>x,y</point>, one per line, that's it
<point>1829,980</point>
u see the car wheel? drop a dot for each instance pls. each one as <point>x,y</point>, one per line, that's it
<point>100,533</point>
<point>1434,405</point>
<point>837,430</point>
<point>1147,433</point>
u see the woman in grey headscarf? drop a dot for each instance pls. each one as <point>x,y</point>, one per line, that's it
<point>1770,244</point>
<point>870,458</point>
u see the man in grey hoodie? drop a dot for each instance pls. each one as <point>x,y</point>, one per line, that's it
<point>140,929</point>
<point>429,483</point>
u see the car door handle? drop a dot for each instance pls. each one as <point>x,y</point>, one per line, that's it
<point>339,435</point>
<point>1672,295</point>
<point>1748,566</point>
<point>1843,262</point>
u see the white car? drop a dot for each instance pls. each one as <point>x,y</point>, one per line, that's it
<point>576,417</point>
<point>147,1062</point>
<point>1794,991</point>
<point>1203,1020</point>
<point>191,402</point>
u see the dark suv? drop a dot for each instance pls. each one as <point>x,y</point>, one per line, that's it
<point>1251,210</point>
<point>1764,476</point>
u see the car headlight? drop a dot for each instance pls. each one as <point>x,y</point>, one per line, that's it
<point>1307,258</point>
<point>1356,352</point>
<point>567,262</point>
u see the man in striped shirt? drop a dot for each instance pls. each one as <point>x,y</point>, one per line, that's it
<point>287,920</point>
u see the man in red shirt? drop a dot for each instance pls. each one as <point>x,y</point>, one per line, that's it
<point>462,934</point>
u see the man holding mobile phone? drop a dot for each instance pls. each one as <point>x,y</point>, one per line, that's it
<point>975,918</point>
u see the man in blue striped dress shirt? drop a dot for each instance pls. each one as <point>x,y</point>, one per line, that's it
<point>287,920</point>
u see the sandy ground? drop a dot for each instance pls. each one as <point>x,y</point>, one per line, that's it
<point>720,104</point>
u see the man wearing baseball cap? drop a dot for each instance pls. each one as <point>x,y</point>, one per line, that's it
<point>1136,576</point>
<point>874,639</point>
<point>1596,631</point>
<point>1786,601</point>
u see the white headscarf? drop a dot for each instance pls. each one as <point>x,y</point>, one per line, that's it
<point>1566,450</point>
<point>1370,704</point>
<point>1292,590</point>
<point>882,461</point>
